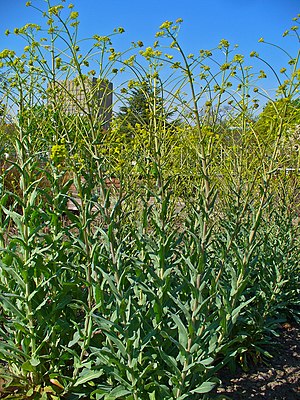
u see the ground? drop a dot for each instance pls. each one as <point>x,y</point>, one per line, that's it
<point>278,379</point>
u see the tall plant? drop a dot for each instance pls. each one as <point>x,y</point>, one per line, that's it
<point>149,288</point>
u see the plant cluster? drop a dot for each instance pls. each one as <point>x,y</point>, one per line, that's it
<point>185,265</point>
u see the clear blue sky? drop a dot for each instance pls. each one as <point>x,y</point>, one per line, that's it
<point>205,21</point>
<point>241,22</point>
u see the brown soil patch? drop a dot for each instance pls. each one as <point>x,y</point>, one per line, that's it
<point>277,379</point>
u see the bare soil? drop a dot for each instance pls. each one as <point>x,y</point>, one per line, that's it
<point>277,379</point>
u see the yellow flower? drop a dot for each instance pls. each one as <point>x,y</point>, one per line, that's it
<point>166,25</point>
<point>74,15</point>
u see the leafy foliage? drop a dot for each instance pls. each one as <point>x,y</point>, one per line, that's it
<point>184,264</point>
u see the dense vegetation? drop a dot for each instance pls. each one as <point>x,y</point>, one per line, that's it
<point>186,265</point>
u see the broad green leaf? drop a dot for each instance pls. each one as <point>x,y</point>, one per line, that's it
<point>201,364</point>
<point>17,218</point>
<point>118,343</point>
<point>237,310</point>
<point>117,392</point>
<point>76,338</point>
<point>152,396</point>
<point>171,362</point>
<point>11,307</point>
<point>28,367</point>
<point>35,362</point>
<point>183,332</point>
<point>204,388</point>
<point>14,274</point>
<point>88,376</point>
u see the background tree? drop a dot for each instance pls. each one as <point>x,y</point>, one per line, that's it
<point>143,104</point>
<point>144,128</point>
<point>283,112</point>
<point>283,115</point>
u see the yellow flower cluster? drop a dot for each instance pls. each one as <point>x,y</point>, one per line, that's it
<point>149,53</point>
<point>58,154</point>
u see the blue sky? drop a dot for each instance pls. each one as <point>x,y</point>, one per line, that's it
<point>206,22</point>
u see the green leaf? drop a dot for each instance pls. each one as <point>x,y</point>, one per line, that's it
<point>75,340</point>
<point>200,364</point>
<point>183,332</point>
<point>30,392</point>
<point>35,362</point>
<point>117,392</point>
<point>14,275</point>
<point>27,367</point>
<point>17,218</point>
<point>204,388</point>
<point>171,362</point>
<point>118,343</point>
<point>90,375</point>
<point>208,361</point>
<point>157,308</point>
<point>45,396</point>
<point>152,396</point>
<point>9,306</point>
<point>112,285</point>
<point>237,310</point>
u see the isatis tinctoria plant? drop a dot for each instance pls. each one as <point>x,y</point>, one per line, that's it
<point>141,256</point>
